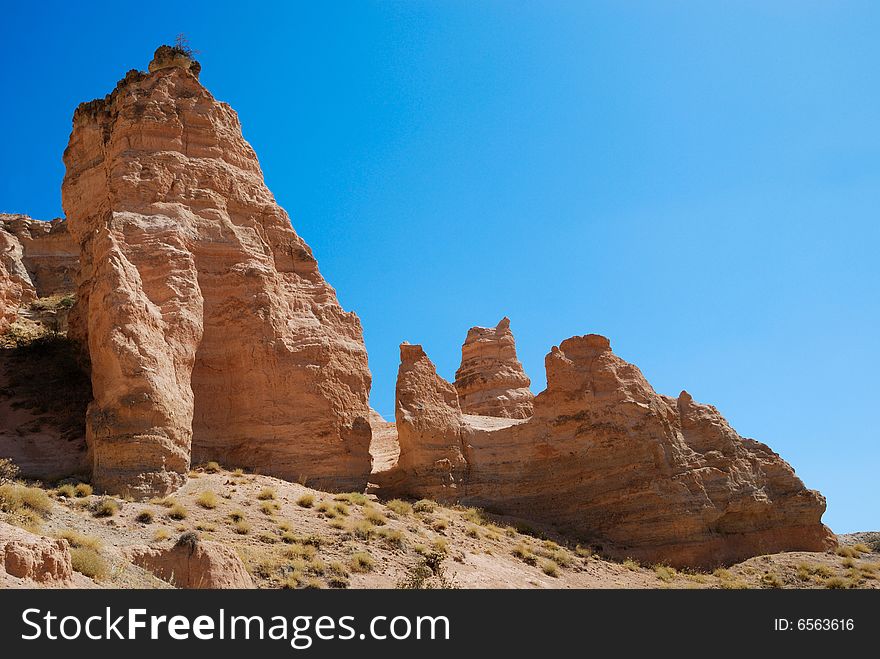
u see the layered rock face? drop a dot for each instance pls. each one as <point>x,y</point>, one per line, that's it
<point>491,380</point>
<point>211,333</point>
<point>49,254</point>
<point>16,288</point>
<point>607,459</point>
<point>27,559</point>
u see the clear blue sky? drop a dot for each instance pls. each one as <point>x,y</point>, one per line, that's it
<point>698,181</point>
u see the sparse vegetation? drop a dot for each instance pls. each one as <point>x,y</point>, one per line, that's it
<point>145,516</point>
<point>177,512</point>
<point>89,562</point>
<point>266,494</point>
<point>665,573</point>
<point>77,539</point>
<point>241,527</point>
<point>212,467</point>
<point>207,500</point>
<point>66,491</point>
<point>523,553</point>
<point>548,567</point>
<point>399,507</point>
<point>836,583</point>
<point>105,507</point>
<point>354,498</point>
<point>631,565</point>
<point>306,501</point>
<point>846,551</point>
<point>83,490</point>
<point>424,506</point>
<point>362,562</point>
<point>392,537</point>
<point>160,535</point>
<point>15,497</point>
<point>375,517</point>
<point>772,580</point>
<point>236,516</point>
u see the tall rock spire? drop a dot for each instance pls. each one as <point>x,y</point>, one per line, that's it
<point>491,380</point>
<point>212,335</point>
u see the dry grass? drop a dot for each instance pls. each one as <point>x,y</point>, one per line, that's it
<point>548,567</point>
<point>145,516</point>
<point>424,506</point>
<point>266,494</point>
<point>375,517</point>
<point>399,507</point>
<point>269,507</point>
<point>236,516</point>
<point>665,573</point>
<point>362,562</point>
<point>207,500</point>
<point>106,507</point>
<point>160,535</point>
<point>241,527</point>
<point>212,467</point>
<point>354,498</point>
<point>306,501</point>
<point>80,540</point>
<point>177,512</point>
<point>66,491</point>
<point>89,562</point>
<point>83,490</point>
<point>14,497</point>
<point>631,565</point>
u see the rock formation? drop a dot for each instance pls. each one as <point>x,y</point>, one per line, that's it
<point>16,288</point>
<point>491,380</point>
<point>49,254</point>
<point>211,333</point>
<point>27,559</point>
<point>608,460</point>
<point>193,563</point>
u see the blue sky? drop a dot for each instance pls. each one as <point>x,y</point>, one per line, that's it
<point>698,181</point>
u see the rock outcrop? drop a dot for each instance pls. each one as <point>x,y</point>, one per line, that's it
<point>16,288</point>
<point>606,459</point>
<point>192,563</point>
<point>49,254</point>
<point>211,333</point>
<point>491,380</point>
<point>27,559</point>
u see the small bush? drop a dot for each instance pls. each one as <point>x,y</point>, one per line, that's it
<point>583,552</point>
<point>301,550</point>
<point>362,562</point>
<point>306,501</point>
<point>836,583</point>
<point>207,500</point>
<point>472,531</point>
<point>66,491</point>
<point>474,516</point>
<point>862,548</point>
<point>160,535</point>
<point>848,562</point>
<point>847,552</point>
<point>241,527</point>
<point>630,564</point>
<point>269,507</point>
<point>212,467</point>
<point>236,516</point>
<point>362,529</point>
<point>266,494</point>
<point>80,540</point>
<point>772,580</point>
<point>665,573</point>
<point>392,537</point>
<point>15,497</point>
<point>734,584</point>
<point>337,582</point>
<point>440,525</point>
<point>424,506</point>
<point>207,527</point>
<point>145,516</point>
<point>340,508</point>
<point>106,507</point>
<point>83,490</point>
<point>178,512</point>
<point>399,507</point>
<point>354,498</point>
<point>548,567</point>
<point>374,517</point>
<point>523,553</point>
<point>89,562</point>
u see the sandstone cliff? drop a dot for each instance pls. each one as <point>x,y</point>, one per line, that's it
<point>49,254</point>
<point>608,460</point>
<point>16,288</point>
<point>491,380</point>
<point>211,333</point>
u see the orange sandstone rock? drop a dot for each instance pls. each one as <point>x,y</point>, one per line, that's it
<point>29,558</point>
<point>193,564</point>
<point>607,460</point>
<point>491,380</point>
<point>211,333</point>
